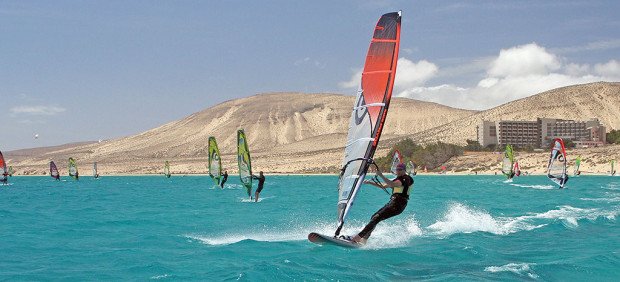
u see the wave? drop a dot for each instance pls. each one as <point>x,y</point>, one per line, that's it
<point>260,199</point>
<point>463,219</point>
<point>613,199</point>
<point>539,187</point>
<point>157,277</point>
<point>517,268</point>
<point>393,234</point>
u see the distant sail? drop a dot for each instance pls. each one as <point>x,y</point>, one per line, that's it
<point>244,161</point>
<point>613,167</point>
<point>577,165</point>
<point>508,161</point>
<point>370,110</point>
<point>167,169</point>
<point>95,173</point>
<point>215,162</point>
<point>396,159</point>
<point>73,170</point>
<point>517,169</point>
<point>54,171</point>
<point>411,168</point>
<point>556,170</point>
<point>4,173</point>
<point>11,171</point>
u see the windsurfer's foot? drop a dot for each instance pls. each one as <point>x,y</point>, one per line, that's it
<point>359,240</point>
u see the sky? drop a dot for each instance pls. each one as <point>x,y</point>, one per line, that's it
<point>94,70</point>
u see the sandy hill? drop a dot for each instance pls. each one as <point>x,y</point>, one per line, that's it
<point>287,132</point>
<point>579,102</point>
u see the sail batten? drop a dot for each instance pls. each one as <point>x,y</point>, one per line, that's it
<point>369,111</point>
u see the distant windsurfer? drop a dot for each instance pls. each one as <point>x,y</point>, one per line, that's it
<point>511,175</point>
<point>401,188</point>
<point>224,178</point>
<point>4,179</point>
<point>261,182</point>
<point>77,176</point>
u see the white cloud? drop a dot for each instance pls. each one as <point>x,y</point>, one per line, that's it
<point>408,74</point>
<point>515,73</point>
<point>37,110</point>
<point>354,82</point>
<point>609,69</point>
<point>523,60</point>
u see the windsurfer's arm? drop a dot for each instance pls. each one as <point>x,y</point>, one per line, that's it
<point>388,183</point>
<point>378,185</point>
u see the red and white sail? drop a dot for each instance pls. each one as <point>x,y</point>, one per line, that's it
<point>369,111</point>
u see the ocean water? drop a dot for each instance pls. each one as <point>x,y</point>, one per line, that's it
<point>455,228</point>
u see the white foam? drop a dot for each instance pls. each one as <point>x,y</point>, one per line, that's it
<point>539,187</point>
<point>394,234</point>
<point>462,219</point>
<point>571,214</point>
<point>388,234</point>
<point>157,277</point>
<point>517,268</point>
<point>265,235</point>
<point>260,199</point>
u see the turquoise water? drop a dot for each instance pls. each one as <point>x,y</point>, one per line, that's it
<point>455,228</point>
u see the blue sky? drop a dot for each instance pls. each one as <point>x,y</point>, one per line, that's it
<point>88,70</point>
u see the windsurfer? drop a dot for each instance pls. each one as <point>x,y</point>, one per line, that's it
<point>224,178</point>
<point>261,182</point>
<point>401,188</point>
<point>4,179</point>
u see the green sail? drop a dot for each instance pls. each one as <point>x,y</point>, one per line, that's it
<point>167,169</point>
<point>508,161</point>
<point>244,161</point>
<point>73,170</point>
<point>577,165</point>
<point>215,162</point>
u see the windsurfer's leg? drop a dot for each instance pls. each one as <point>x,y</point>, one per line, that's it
<point>256,194</point>
<point>391,209</point>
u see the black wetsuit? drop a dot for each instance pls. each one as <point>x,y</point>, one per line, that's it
<point>261,181</point>
<point>396,205</point>
<point>224,179</point>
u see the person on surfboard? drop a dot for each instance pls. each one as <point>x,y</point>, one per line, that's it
<point>401,188</point>
<point>261,182</point>
<point>225,177</point>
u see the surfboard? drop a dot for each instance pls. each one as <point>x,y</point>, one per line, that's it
<point>321,239</point>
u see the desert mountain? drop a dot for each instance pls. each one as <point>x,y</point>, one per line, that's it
<point>579,102</point>
<point>287,132</point>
